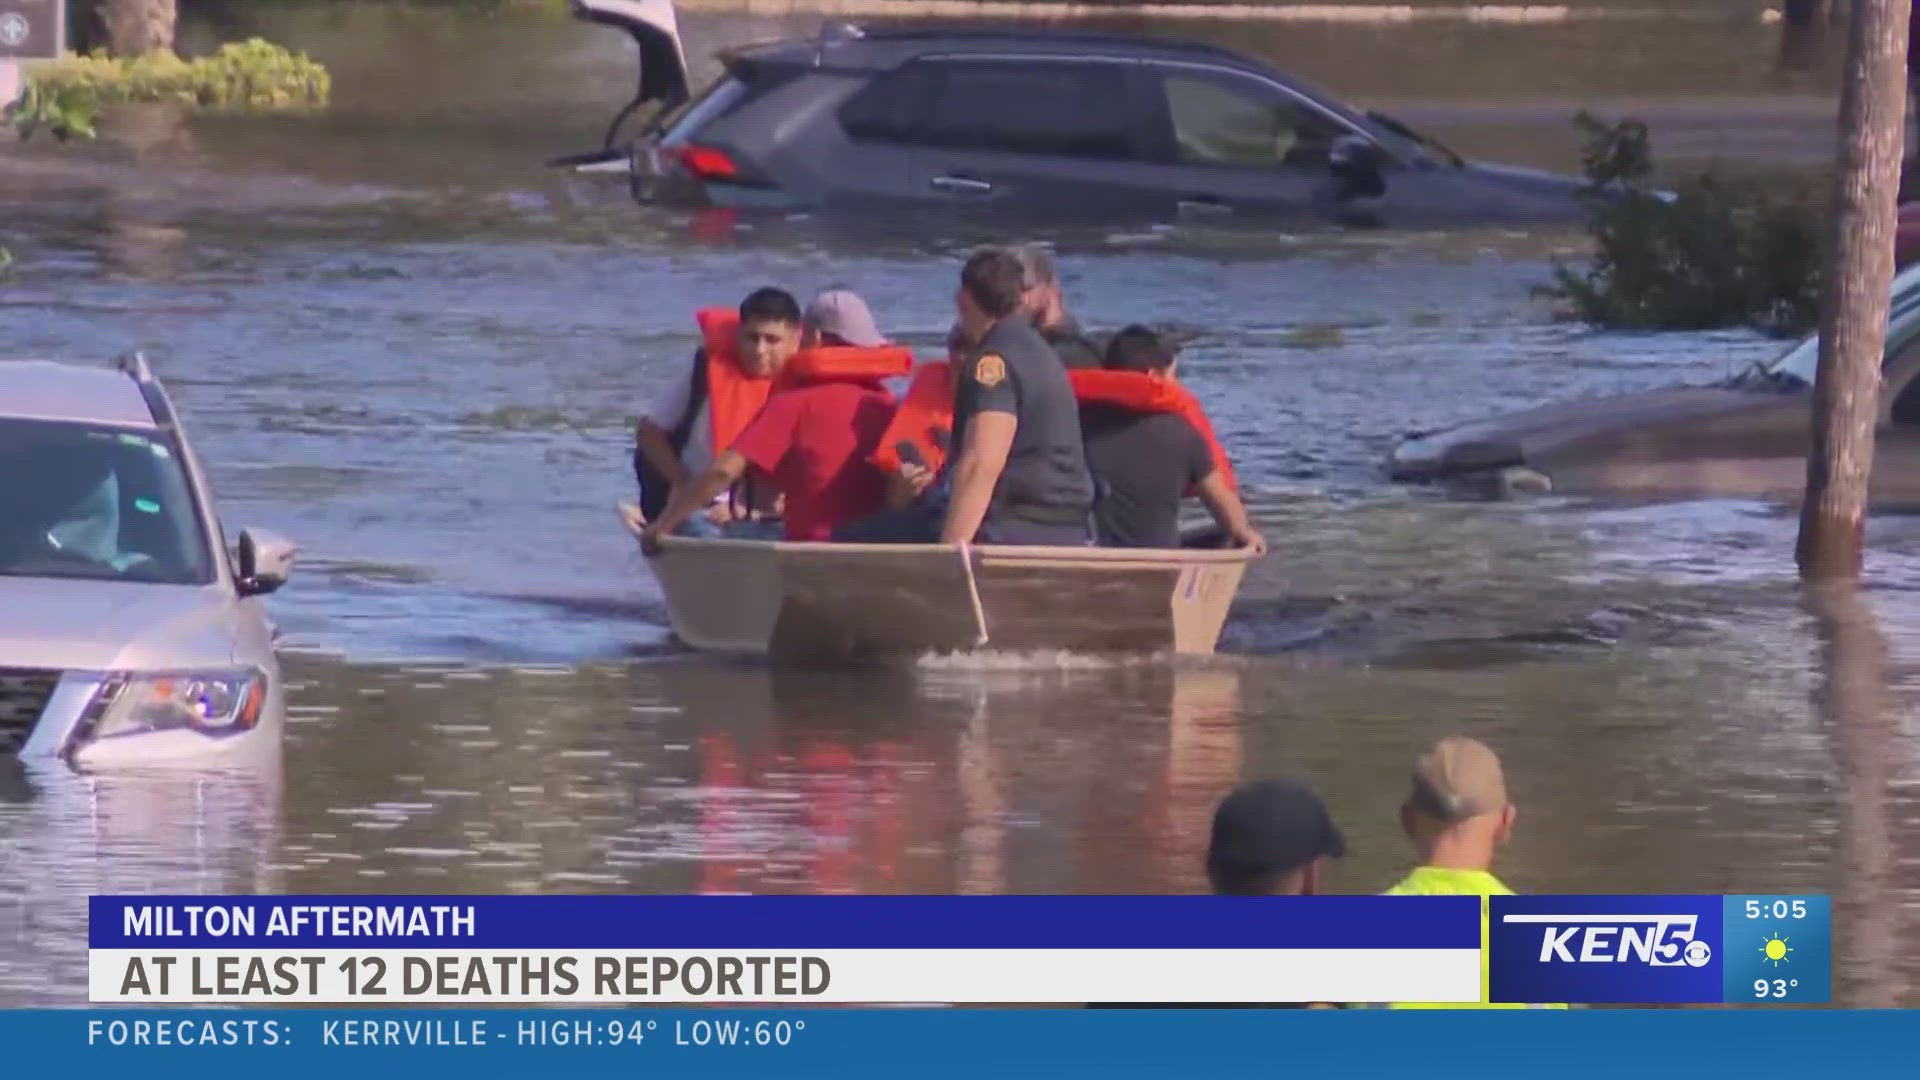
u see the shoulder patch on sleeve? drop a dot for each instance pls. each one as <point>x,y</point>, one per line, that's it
<point>990,370</point>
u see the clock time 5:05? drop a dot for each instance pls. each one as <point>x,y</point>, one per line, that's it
<point>1778,909</point>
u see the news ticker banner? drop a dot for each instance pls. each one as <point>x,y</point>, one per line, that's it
<point>601,950</point>
<point>788,950</point>
<point>854,1043</point>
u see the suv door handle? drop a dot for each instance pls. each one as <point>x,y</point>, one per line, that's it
<point>962,183</point>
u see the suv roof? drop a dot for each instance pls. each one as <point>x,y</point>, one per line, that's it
<point>882,47</point>
<point>48,390</point>
<point>1051,37</point>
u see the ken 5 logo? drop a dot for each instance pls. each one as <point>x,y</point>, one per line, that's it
<point>1655,940</point>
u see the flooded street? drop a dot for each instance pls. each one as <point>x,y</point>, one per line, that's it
<point>402,343</point>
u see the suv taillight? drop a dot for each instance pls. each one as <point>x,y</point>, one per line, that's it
<point>707,163</point>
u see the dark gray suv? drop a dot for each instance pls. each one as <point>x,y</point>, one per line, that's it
<point>1053,123</point>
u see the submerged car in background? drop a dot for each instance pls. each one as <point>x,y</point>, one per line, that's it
<point>127,636</point>
<point>1033,120</point>
<point>1745,437</point>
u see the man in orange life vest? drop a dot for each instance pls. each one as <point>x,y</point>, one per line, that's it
<point>817,430</point>
<point>1149,445</point>
<point>733,372</point>
<point>912,454</point>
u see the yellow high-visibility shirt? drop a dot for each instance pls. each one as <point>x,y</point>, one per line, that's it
<point>1439,881</point>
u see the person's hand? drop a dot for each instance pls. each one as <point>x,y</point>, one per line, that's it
<point>650,540</point>
<point>1253,541</point>
<point>918,478</point>
<point>905,486</point>
<point>720,513</point>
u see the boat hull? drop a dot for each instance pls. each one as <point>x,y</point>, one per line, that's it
<point>838,602</point>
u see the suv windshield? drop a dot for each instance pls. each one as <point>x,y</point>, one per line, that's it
<point>85,501</point>
<point>1801,361</point>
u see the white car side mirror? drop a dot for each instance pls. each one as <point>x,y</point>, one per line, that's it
<point>265,561</point>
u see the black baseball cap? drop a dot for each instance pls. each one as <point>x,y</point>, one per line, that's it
<point>1269,827</point>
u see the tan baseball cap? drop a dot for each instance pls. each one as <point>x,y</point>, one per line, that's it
<point>1458,779</point>
<point>843,314</point>
<point>1036,265</point>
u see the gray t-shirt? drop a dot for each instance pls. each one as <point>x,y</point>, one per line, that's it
<point>1046,480</point>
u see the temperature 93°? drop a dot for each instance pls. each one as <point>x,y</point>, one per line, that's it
<point>1773,988</point>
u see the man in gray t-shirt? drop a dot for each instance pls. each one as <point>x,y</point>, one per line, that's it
<point>1019,469</point>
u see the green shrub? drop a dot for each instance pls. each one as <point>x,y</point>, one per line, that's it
<point>65,96</point>
<point>1714,253</point>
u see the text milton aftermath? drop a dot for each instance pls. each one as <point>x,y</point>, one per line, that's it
<point>293,920</point>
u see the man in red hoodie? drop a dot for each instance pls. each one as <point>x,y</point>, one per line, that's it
<point>813,438</point>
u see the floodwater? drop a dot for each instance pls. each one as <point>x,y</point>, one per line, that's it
<point>400,341</point>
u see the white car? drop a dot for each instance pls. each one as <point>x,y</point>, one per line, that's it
<point>128,636</point>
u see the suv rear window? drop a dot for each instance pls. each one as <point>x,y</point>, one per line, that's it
<point>1016,106</point>
<point>717,101</point>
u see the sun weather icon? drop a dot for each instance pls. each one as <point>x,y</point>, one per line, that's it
<point>1775,949</point>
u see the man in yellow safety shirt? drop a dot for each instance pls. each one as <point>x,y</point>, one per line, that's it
<point>1457,816</point>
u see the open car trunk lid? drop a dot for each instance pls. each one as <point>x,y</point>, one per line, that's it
<point>655,29</point>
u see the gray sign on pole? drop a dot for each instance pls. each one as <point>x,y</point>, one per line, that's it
<point>32,29</point>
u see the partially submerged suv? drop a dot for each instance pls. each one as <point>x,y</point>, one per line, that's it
<point>1040,121</point>
<point>1746,436</point>
<point>127,636</point>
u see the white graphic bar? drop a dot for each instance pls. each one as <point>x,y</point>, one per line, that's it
<point>793,977</point>
<point>1568,920</point>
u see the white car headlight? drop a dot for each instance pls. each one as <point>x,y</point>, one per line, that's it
<point>214,703</point>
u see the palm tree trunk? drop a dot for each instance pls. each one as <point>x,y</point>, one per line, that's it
<point>1853,324</point>
<point>137,27</point>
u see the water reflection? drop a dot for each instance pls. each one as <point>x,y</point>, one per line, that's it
<point>1851,698</point>
<point>78,836</point>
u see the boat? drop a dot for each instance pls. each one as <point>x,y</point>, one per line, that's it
<point>823,602</point>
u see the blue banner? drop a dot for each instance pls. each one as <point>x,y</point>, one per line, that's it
<point>783,922</point>
<point>890,1043</point>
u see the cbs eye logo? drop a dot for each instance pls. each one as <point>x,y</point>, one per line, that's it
<point>1696,954</point>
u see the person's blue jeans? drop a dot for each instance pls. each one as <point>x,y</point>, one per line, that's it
<point>745,529</point>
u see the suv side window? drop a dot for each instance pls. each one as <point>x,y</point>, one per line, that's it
<point>888,108</point>
<point>1227,121</point>
<point>1057,108</point>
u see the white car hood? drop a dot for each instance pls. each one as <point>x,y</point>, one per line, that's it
<point>113,625</point>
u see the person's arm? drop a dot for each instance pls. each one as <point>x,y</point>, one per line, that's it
<point>727,470</point>
<point>1229,512</point>
<point>989,441</point>
<point>761,446</point>
<point>651,438</point>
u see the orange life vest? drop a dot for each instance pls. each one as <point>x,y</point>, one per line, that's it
<point>1142,391</point>
<point>733,396</point>
<point>924,418</point>
<point>846,363</point>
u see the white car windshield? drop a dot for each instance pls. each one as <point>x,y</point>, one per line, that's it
<point>84,501</point>
<point>1802,360</point>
